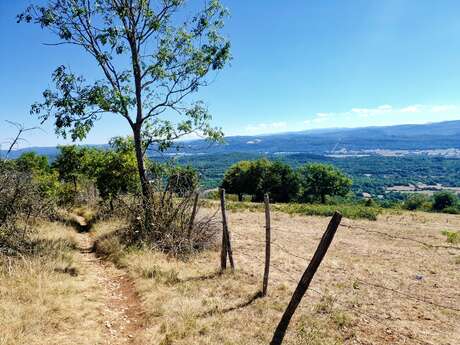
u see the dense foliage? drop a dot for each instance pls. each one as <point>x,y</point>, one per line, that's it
<point>444,200</point>
<point>371,174</point>
<point>312,182</point>
<point>321,180</point>
<point>262,176</point>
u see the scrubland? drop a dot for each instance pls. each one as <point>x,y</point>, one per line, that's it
<point>390,281</point>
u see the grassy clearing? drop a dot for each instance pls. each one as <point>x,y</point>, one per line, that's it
<point>350,211</point>
<point>190,302</point>
<point>44,297</point>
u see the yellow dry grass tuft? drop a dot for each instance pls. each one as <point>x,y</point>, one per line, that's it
<point>48,298</point>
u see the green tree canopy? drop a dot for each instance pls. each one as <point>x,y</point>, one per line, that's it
<point>117,171</point>
<point>280,181</point>
<point>259,177</point>
<point>237,180</point>
<point>442,200</point>
<point>69,164</point>
<point>320,180</point>
<point>32,162</point>
<point>151,54</point>
<point>183,180</point>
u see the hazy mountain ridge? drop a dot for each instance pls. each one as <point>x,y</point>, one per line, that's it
<point>419,139</point>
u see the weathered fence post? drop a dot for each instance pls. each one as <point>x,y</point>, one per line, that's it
<point>306,279</point>
<point>226,239</point>
<point>223,252</point>
<point>192,217</point>
<point>267,244</point>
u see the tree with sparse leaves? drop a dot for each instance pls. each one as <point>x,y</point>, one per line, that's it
<point>151,54</point>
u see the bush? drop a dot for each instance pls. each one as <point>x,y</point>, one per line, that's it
<point>351,211</point>
<point>348,211</point>
<point>414,201</point>
<point>21,202</point>
<point>452,237</point>
<point>452,210</point>
<point>166,225</point>
<point>443,200</point>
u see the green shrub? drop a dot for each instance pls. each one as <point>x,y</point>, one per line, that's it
<point>452,210</point>
<point>415,201</point>
<point>453,237</point>
<point>443,200</point>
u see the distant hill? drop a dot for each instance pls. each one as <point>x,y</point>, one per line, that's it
<point>342,141</point>
<point>442,135</point>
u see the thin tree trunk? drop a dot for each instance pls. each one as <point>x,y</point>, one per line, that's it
<point>140,162</point>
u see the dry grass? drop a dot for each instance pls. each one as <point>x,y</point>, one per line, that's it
<point>59,297</point>
<point>188,302</point>
<point>50,297</point>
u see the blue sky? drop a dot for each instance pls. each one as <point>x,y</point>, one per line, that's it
<point>296,65</point>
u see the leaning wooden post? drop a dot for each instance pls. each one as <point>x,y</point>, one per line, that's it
<point>306,279</point>
<point>267,244</point>
<point>223,252</point>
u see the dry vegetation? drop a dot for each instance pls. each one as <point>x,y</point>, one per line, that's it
<point>50,297</point>
<point>188,302</point>
<point>63,294</point>
<point>390,281</point>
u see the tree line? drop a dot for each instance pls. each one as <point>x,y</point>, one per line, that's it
<point>107,174</point>
<point>309,183</point>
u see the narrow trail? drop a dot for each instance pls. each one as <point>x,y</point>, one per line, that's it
<point>122,312</point>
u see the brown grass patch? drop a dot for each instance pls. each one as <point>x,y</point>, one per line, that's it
<point>190,302</point>
<point>48,298</point>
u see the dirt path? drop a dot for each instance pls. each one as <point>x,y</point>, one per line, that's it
<point>122,312</point>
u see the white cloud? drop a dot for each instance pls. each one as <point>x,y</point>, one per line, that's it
<point>383,115</point>
<point>261,128</point>
<point>366,112</point>
<point>380,115</point>
<point>411,109</point>
<point>443,108</point>
<point>319,120</point>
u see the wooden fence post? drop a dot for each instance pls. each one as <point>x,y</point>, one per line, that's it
<point>192,217</point>
<point>223,252</point>
<point>226,238</point>
<point>267,244</point>
<point>306,279</point>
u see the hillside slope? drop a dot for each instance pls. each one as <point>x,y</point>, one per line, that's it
<point>441,135</point>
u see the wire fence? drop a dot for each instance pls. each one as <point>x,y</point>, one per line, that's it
<point>280,236</point>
